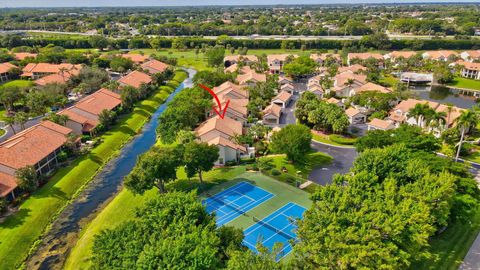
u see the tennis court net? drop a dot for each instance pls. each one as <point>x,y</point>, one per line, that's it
<point>221,202</point>
<point>270,227</point>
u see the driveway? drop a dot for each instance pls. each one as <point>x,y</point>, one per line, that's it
<point>343,158</point>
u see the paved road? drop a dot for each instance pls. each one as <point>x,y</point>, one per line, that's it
<point>343,158</point>
<point>9,132</point>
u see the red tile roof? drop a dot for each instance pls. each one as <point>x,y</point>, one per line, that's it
<point>5,67</point>
<point>365,56</point>
<point>31,68</point>
<point>273,109</point>
<point>30,146</point>
<point>155,66</point>
<point>135,79</point>
<point>53,78</point>
<point>135,57</point>
<point>22,55</point>
<point>283,96</point>
<point>7,184</point>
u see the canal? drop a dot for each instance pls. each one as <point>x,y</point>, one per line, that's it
<point>444,95</point>
<point>63,234</point>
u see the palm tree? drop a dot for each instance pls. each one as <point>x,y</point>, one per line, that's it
<point>449,113</point>
<point>467,119</point>
<point>419,112</point>
<point>437,119</point>
<point>21,118</point>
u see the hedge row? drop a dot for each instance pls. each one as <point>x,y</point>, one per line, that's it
<point>342,140</point>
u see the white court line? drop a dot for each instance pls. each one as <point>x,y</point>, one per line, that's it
<point>245,206</point>
<point>270,218</point>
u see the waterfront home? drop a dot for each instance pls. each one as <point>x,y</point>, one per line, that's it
<point>37,146</point>
<point>221,132</point>
<point>135,79</point>
<point>5,71</point>
<point>83,117</point>
<point>35,71</point>
<point>470,70</point>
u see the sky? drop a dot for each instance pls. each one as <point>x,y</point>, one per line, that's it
<point>103,3</point>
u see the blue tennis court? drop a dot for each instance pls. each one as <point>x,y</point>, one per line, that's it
<point>235,201</point>
<point>279,226</point>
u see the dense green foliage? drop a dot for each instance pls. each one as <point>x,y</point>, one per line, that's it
<point>172,231</point>
<point>320,115</point>
<point>300,66</point>
<point>383,214</point>
<point>292,140</point>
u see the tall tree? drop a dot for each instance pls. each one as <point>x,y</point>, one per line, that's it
<point>292,140</point>
<point>199,157</point>
<point>465,121</point>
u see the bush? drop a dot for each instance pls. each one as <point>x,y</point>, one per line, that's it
<point>290,179</point>
<point>342,140</point>
<point>275,172</point>
<point>252,167</point>
<point>230,163</point>
<point>86,138</point>
<point>3,205</point>
<point>62,156</point>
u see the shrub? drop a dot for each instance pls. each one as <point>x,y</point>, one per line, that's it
<point>290,179</point>
<point>275,172</point>
<point>3,205</point>
<point>230,163</point>
<point>62,156</point>
<point>342,140</point>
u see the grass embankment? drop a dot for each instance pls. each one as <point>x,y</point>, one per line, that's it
<point>450,247</point>
<point>20,232</point>
<point>333,140</point>
<point>460,82</point>
<point>122,208</point>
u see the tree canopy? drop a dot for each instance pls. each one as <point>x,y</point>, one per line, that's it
<point>292,140</point>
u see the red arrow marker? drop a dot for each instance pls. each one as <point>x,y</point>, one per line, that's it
<point>221,112</point>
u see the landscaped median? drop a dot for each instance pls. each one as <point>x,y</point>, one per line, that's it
<point>20,232</point>
<point>333,139</point>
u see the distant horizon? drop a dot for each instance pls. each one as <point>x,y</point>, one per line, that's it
<point>181,3</point>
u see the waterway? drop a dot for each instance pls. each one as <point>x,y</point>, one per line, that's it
<point>63,234</point>
<point>444,95</point>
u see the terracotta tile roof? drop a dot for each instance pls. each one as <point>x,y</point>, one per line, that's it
<point>343,78</point>
<point>237,58</point>
<point>251,76</point>
<point>87,110</point>
<point>353,68</point>
<point>32,145</point>
<point>405,106</point>
<point>239,107</point>
<point>381,124</point>
<point>435,55</point>
<point>31,68</point>
<point>22,55</point>
<point>286,86</point>
<point>351,112</point>
<point>7,184</point>
<point>5,67</point>
<point>324,56</point>
<point>135,57</point>
<point>404,54</point>
<point>273,109</point>
<point>373,87</point>
<point>279,57</point>
<point>227,143</point>
<point>228,87</point>
<point>283,96</point>
<point>315,88</point>
<point>470,66</point>
<point>474,54</point>
<point>102,99</point>
<point>227,126</point>
<point>155,66</point>
<point>135,79</point>
<point>365,56</point>
<point>53,78</point>
<point>333,100</point>
<point>284,78</point>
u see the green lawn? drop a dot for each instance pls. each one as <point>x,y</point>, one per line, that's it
<point>388,80</point>
<point>18,83</point>
<point>326,139</point>
<point>313,160</point>
<point>19,232</point>
<point>122,208</point>
<point>465,83</point>
<point>450,247</point>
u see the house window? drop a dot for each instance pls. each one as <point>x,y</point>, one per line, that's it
<point>220,160</point>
